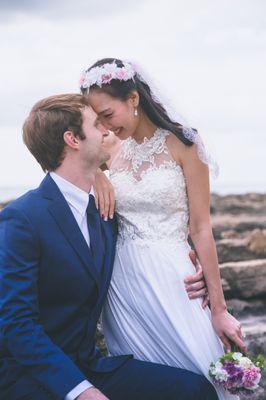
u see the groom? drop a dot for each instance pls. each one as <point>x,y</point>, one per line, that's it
<point>56,257</point>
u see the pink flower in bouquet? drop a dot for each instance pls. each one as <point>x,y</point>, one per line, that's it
<point>251,378</point>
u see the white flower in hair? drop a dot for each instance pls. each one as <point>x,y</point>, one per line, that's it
<point>129,70</point>
<point>110,68</point>
<point>102,75</point>
<point>91,77</point>
<point>95,75</point>
<point>108,72</point>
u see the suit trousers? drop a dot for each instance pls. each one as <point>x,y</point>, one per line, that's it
<point>136,380</point>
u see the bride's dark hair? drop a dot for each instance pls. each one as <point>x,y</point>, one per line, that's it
<point>153,109</point>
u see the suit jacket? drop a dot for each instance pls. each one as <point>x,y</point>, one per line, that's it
<point>51,294</point>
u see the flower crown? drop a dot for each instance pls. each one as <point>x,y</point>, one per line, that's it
<point>105,73</point>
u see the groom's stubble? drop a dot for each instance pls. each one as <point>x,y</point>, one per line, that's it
<point>92,150</point>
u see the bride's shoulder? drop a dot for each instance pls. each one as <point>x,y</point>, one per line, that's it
<point>177,148</point>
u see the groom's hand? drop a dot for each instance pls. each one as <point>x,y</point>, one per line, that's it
<point>92,394</point>
<point>195,284</point>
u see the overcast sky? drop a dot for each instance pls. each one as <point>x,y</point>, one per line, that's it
<point>208,56</point>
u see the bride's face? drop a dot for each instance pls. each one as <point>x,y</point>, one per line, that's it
<point>114,114</point>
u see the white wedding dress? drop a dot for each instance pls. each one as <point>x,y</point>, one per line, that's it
<point>148,312</point>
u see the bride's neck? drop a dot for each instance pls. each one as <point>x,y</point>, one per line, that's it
<point>145,128</point>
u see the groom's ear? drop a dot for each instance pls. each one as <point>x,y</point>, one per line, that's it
<point>71,140</point>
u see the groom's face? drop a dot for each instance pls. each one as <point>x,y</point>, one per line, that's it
<point>91,148</point>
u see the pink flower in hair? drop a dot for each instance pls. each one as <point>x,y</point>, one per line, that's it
<point>82,79</point>
<point>106,78</point>
<point>122,74</point>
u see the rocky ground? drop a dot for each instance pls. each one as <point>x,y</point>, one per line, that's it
<point>239,226</point>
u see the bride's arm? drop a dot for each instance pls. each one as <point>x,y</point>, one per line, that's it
<point>103,189</point>
<point>198,190</point>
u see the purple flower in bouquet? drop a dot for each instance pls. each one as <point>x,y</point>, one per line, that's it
<point>235,374</point>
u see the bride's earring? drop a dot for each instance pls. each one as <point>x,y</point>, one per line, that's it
<point>136,112</point>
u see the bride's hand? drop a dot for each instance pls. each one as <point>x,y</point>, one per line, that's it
<point>228,329</point>
<point>104,195</point>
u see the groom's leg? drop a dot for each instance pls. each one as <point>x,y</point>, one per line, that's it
<point>25,389</point>
<point>148,381</point>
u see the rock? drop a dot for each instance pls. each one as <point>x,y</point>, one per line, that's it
<point>226,286</point>
<point>234,246</point>
<point>235,217</point>
<point>230,234</point>
<point>255,331</point>
<point>239,223</point>
<point>244,279</point>
<point>257,242</point>
<point>250,203</point>
<point>239,249</point>
<point>244,308</point>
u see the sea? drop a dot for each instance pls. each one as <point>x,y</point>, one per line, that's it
<point>11,193</point>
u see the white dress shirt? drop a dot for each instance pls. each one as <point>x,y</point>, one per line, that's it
<point>78,201</point>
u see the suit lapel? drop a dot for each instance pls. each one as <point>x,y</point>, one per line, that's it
<point>65,219</point>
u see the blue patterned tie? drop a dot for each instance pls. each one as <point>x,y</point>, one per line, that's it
<point>96,238</point>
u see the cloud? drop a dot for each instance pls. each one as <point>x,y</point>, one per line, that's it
<point>64,9</point>
<point>209,59</point>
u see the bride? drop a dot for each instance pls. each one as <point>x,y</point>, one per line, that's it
<point>160,173</point>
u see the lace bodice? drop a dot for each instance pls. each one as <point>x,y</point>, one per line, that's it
<point>150,188</point>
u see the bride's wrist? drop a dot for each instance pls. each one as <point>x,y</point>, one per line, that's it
<point>218,309</point>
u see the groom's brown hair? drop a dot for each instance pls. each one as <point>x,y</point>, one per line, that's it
<point>44,128</point>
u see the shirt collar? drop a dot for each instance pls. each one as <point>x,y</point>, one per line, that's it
<point>76,197</point>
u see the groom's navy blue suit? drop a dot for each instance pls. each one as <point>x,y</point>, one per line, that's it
<point>51,295</point>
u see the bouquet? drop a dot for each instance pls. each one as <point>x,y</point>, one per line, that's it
<point>237,373</point>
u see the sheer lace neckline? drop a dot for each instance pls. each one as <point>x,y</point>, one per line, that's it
<point>146,140</point>
<point>138,153</point>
